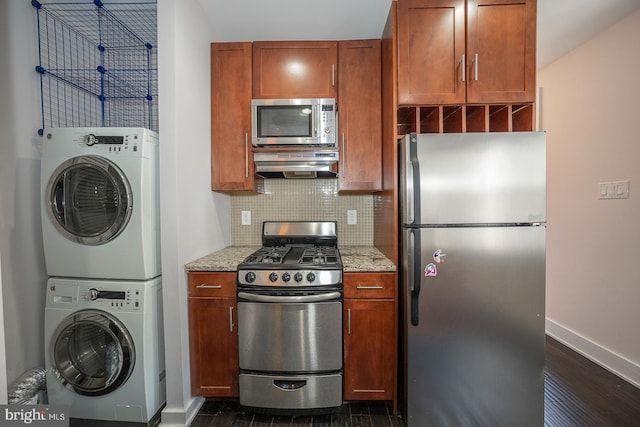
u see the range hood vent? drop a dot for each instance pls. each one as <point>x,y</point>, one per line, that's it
<point>296,164</point>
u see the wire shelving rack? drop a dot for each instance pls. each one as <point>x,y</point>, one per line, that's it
<point>98,64</point>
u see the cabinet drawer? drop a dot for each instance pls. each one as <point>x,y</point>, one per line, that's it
<point>370,285</point>
<point>207,284</point>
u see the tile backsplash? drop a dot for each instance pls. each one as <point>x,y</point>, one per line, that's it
<point>302,200</point>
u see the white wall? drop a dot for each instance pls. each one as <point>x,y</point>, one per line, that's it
<point>590,111</point>
<point>195,221</point>
<point>23,270</point>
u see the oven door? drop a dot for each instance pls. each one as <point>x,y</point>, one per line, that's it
<point>301,333</point>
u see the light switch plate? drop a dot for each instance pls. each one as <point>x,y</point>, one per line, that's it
<point>613,190</point>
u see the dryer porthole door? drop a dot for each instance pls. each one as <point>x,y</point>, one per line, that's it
<point>89,200</point>
<point>92,352</point>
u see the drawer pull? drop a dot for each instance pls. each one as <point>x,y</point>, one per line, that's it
<point>369,287</point>
<point>205,286</point>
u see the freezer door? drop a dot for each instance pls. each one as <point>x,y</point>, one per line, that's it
<point>471,178</point>
<point>475,345</point>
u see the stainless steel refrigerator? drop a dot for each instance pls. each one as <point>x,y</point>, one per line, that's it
<point>473,278</point>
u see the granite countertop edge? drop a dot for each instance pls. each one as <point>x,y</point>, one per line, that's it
<point>354,259</point>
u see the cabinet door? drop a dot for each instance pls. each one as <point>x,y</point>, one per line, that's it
<point>501,51</point>
<point>213,339</point>
<point>369,349</point>
<point>431,49</point>
<point>231,158</point>
<point>360,117</point>
<point>295,69</point>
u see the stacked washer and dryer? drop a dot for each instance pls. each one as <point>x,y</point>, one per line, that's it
<point>104,341</point>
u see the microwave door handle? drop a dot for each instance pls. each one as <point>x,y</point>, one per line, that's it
<point>314,121</point>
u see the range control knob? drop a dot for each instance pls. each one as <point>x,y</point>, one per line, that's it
<point>297,277</point>
<point>311,277</point>
<point>93,294</point>
<point>286,277</point>
<point>250,277</point>
<point>273,277</point>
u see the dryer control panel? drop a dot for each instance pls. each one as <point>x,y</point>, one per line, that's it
<point>130,299</point>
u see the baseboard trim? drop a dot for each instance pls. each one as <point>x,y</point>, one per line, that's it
<point>174,417</point>
<point>604,357</point>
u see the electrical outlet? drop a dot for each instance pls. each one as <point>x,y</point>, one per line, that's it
<point>246,218</point>
<point>352,217</point>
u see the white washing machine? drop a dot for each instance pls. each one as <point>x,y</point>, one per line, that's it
<point>100,203</point>
<point>104,348</point>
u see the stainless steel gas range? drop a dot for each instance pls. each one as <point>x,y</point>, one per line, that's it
<point>290,319</point>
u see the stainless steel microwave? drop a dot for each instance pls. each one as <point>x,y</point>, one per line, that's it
<point>278,122</point>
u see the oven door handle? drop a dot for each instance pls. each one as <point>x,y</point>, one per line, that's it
<point>289,298</point>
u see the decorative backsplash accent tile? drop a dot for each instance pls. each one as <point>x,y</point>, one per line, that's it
<point>302,200</point>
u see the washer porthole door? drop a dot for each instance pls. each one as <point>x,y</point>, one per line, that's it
<point>89,200</point>
<point>92,352</point>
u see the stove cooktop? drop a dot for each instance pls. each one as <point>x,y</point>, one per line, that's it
<point>291,256</point>
<point>294,254</point>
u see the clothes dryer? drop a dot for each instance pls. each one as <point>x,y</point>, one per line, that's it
<point>100,203</point>
<point>104,348</point>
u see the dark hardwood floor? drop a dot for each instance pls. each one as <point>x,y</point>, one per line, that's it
<point>578,393</point>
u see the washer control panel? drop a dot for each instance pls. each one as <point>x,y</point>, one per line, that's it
<point>126,300</point>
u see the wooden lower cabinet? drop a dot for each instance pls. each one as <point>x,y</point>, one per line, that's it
<point>213,334</point>
<point>370,336</point>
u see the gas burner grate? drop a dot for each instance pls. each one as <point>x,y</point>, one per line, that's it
<point>268,255</point>
<point>319,255</point>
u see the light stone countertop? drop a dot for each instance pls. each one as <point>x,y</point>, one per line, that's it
<point>364,258</point>
<point>354,259</point>
<point>226,259</point>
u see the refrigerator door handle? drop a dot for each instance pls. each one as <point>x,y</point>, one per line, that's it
<point>414,274</point>
<point>413,181</point>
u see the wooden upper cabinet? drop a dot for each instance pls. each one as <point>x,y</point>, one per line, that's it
<point>501,50</point>
<point>232,168</point>
<point>360,116</point>
<point>496,65</point>
<point>295,69</point>
<point>431,41</point>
